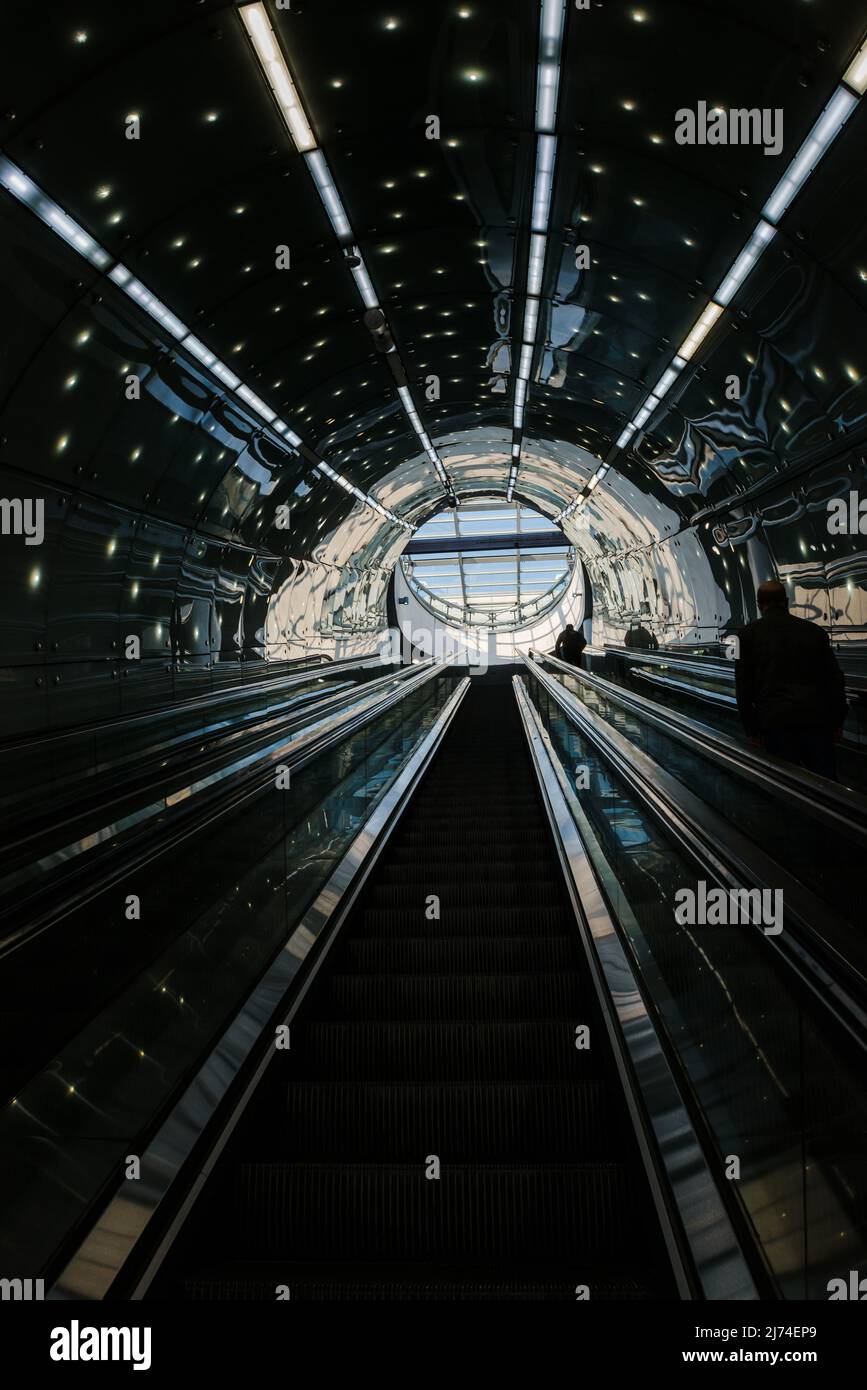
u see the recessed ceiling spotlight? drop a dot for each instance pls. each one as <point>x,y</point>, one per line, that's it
<point>103,191</point>
<point>211,117</point>
<point>391,24</point>
<point>337,82</point>
<point>640,16</point>
<point>80,36</point>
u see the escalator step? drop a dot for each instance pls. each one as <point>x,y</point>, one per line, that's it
<point>457,921</point>
<point>540,1050</point>
<point>535,995</point>
<point>484,870</point>
<point>467,954</point>
<point>259,1282</point>
<point>367,1211</point>
<point>468,893</point>
<point>445,851</point>
<point>558,1123</point>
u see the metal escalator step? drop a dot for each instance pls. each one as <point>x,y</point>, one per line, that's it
<point>507,1050</point>
<point>245,1281</point>
<point>425,846</point>
<point>559,1122</point>
<point>402,920</point>
<point>477,955</point>
<point>531,995</point>
<point>466,892</point>
<point>393,1211</point>
<point>481,869</point>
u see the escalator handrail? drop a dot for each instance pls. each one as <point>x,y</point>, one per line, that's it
<point>836,805</point>
<point>171,783</point>
<point>247,780</point>
<point>109,1242</point>
<point>719,666</point>
<point>733,859</point>
<point>691,688</point>
<point>688,1196</point>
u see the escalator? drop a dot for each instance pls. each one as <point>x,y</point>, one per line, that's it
<point>702,687</point>
<point>811,832</point>
<point>434,1131</point>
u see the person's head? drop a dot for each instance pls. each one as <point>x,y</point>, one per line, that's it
<point>771,594</point>
<point>569,627</point>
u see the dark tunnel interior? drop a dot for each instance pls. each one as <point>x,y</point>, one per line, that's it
<point>281,285</point>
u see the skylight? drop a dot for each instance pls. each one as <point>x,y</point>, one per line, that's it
<point>505,584</point>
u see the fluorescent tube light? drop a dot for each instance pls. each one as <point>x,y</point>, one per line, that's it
<point>855,75</point>
<point>149,302</point>
<point>823,134</point>
<point>546,152</point>
<point>221,371</point>
<point>29,193</point>
<point>536,263</point>
<point>197,349</point>
<point>694,340</point>
<point>531,320</point>
<point>365,287</point>
<point>273,64</point>
<point>256,403</point>
<point>328,193</point>
<point>743,265</point>
<point>548,72</point>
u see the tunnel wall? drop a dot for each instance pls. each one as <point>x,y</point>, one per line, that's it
<point>159,514</point>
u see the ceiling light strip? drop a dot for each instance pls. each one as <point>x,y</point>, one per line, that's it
<point>27,192</point>
<point>823,134</point>
<point>552,25</point>
<point>276,70</point>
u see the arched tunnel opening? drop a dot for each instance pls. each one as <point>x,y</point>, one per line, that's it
<point>434,742</point>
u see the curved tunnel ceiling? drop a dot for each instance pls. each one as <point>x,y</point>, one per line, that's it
<point>198,206</point>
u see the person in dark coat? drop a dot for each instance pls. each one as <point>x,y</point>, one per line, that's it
<point>790,690</point>
<point>570,645</point>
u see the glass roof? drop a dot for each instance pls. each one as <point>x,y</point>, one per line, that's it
<point>502,581</point>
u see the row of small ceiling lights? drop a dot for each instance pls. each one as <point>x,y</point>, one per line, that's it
<point>818,142</point>
<point>23,188</point>
<point>276,71</point>
<point>552,22</point>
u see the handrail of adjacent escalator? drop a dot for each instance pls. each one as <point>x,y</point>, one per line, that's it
<point>88,783</point>
<point>696,1211</point>
<point>227,788</point>
<point>169,782</point>
<point>120,1242</point>
<point>734,860</point>
<point>836,805</point>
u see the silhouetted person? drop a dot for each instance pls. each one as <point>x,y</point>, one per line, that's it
<point>790,689</point>
<point>642,638</point>
<point>570,645</point>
